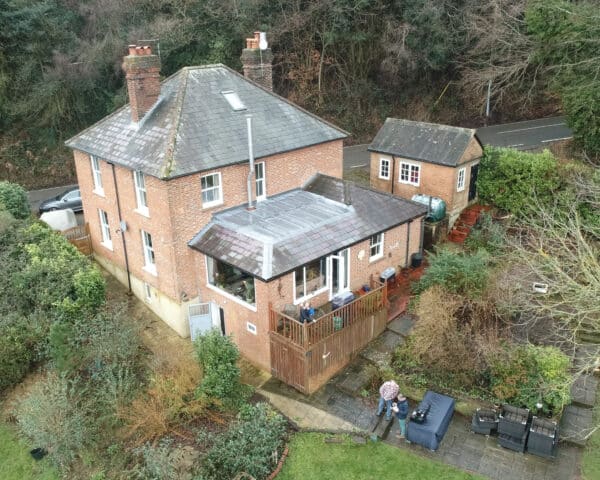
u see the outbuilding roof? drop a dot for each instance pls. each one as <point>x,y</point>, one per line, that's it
<point>296,227</point>
<point>427,142</point>
<point>194,126</point>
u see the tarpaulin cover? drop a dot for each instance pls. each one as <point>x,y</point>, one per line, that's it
<point>431,433</point>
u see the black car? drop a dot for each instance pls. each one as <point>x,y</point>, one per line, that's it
<point>69,199</point>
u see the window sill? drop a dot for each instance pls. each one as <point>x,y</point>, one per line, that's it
<point>145,212</point>
<point>107,245</point>
<point>383,178</point>
<point>458,190</point>
<point>375,258</point>
<point>98,192</point>
<point>232,297</point>
<point>206,206</point>
<point>151,269</point>
<point>409,183</point>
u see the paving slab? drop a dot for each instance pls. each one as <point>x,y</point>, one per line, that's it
<point>583,390</point>
<point>354,380</point>
<point>576,424</point>
<point>402,325</point>
<point>380,350</point>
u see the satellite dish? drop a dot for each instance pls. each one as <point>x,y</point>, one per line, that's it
<point>262,42</point>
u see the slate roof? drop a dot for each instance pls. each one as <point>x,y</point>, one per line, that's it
<point>427,142</point>
<point>296,227</point>
<point>193,128</point>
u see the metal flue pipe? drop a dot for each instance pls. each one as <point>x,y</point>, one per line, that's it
<point>251,158</point>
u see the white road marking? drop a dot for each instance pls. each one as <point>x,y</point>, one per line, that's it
<point>531,128</point>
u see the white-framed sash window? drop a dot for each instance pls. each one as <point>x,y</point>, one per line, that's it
<point>460,180</point>
<point>376,247</point>
<point>96,175</point>
<point>261,185</point>
<point>148,249</point>
<point>384,168</point>
<point>139,181</point>
<point>212,190</point>
<point>410,173</point>
<point>105,229</point>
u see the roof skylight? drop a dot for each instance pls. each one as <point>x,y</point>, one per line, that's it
<point>234,100</point>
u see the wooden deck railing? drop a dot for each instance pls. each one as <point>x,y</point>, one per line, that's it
<point>306,334</point>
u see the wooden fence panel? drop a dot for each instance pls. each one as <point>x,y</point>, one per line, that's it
<point>80,237</point>
<point>288,362</point>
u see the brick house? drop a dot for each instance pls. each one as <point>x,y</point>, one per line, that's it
<point>177,212</point>
<point>409,158</point>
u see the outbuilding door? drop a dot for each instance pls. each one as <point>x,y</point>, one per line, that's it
<point>473,182</point>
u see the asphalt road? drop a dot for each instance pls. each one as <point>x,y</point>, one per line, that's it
<point>38,196</point>
<point>526,135</point>
<point>356,156</point>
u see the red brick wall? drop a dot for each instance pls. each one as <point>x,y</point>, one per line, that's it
<point>176,212</point>
<point>435,180</point>
<point>279,291</point>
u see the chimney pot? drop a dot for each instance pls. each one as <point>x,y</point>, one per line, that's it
<point>131,49</point>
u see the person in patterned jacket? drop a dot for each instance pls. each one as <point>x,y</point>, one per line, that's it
<point>388,392</point>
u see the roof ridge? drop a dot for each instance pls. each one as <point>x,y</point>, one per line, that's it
<point>439,125</point>
<point>169,157</point>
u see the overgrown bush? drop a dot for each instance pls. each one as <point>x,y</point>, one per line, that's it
<point>20,340</point>
<point>450,338</point>
<point>487,235</point>
<point>13,199</point>
<point>54,416</point>
<point>218,357</point>
<point>460,273</point>
<point>159,462</point>
<point>168,402</point>
<point>252,444</point>
<point>528,374</point>
<point>512,179</point>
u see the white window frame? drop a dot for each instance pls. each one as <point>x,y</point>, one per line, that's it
<point>218,188</point>
<point>224,293</point>
<point>105,229</point>
<point>410,166</point>
<point>383,161</point>
<point>262,181</point>
<point>149,253</point>
<point>324,288</point>
<point>460,179</point>
<point>141,196</point>
<point>376,241</point>
<point>96,175</point>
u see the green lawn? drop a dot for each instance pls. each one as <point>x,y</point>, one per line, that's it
<point>311,457</point>
<point>17,464</point>
<point>590,461</point>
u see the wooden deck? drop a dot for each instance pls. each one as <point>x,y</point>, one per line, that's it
<point>306,355</point>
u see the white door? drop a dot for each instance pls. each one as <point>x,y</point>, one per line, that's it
<point>338,272</point>
<point>203,317</point>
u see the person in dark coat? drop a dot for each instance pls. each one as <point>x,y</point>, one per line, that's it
<point>400,409</point>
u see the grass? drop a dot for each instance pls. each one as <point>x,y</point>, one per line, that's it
<point>17,464</point>
<point>590,460</point>
<point>311,457</point>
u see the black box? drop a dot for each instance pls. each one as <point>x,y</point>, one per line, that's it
<point>484,421</point>
<point>513,443</point>
<point>513,421</point>
<point>543,438</point>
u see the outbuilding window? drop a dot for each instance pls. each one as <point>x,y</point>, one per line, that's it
<point>410,173</point>
<point>384,168</point>
<point>376,247</point>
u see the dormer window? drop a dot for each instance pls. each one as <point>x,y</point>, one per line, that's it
<point>234,100</point>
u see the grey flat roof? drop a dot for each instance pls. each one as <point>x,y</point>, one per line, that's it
<point>428,142</point>
<point>194,128</point>
<point>527,134</point>
<point>294,228</point>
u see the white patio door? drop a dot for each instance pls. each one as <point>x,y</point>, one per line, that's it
<point>338,272</point>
